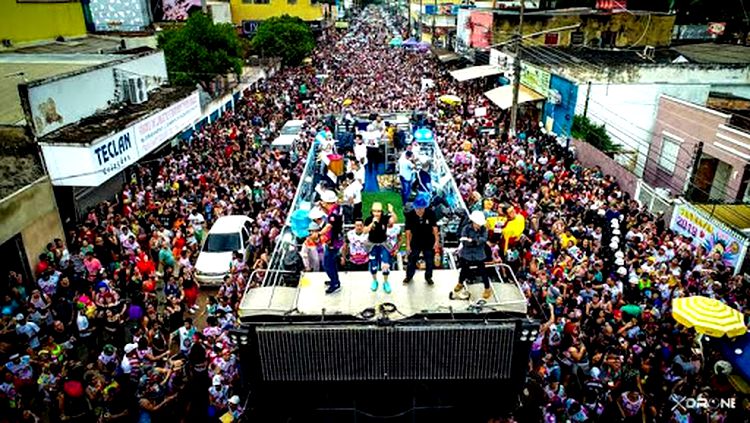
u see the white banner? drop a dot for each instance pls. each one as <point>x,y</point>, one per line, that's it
<point>90,165</point>
<point>156,129</point>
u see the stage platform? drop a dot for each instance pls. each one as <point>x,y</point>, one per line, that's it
<point>355,296</point>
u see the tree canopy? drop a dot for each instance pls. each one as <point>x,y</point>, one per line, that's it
<point>200,50</point>
<point>596,135</point>
<point>287,37</point>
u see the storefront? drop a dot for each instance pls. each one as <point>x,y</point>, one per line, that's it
<point>86,174</point>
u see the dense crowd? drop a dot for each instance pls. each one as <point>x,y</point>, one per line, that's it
<point>106,331</point>
<point>599,271</point>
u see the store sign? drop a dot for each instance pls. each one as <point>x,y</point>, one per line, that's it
<point>535,78</point>
<point>156,129</point>
<point>717,28</point>
<point>502,60</point>
<point>91,165</point>
<point>713,236</point>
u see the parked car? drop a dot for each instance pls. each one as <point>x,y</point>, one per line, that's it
<point>288,135</point>
<point>228,235</point>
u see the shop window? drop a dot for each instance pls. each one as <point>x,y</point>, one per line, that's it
<point>551,39</point>
<point>670,148</point>
<point>261,1</point>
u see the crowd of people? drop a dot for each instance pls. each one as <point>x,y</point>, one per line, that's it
<point>114,329</point>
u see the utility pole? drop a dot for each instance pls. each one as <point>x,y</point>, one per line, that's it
<point>434,16</point>
<point>420,20</point>
<point>517,70</point>
<point>586,104</point>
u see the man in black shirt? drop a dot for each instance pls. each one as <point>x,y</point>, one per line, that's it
<point>376,226</point>
<point>422,238</point>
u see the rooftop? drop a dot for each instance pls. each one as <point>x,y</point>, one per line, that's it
<point>18,68</point>
<point>576,11</point>
<point>734,215</point>
<point>567,56</point>
<point>19,162</point>
<point>715,53</point>
<point>92,44</point>
<point>116,118</point>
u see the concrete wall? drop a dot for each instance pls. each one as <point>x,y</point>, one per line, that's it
<point>120,15</point>
<point>690,124</point>
<point>590,156</point>
<point>24,22</point>
<point>629,30</point>
<point>32,212</point>
<point>55,102</point>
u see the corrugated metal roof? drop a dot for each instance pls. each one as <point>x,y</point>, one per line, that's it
<point>715,53</point>
<point>734,215</point>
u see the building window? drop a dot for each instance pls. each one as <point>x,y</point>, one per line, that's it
<point>670,148</point>
<point>576,38</point>
<point>262,1</point>
<point>291,1</point>
<point>551,39</point>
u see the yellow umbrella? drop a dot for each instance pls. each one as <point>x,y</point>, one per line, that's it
<point>450,99</point>
<point>708,316</point>
<point>347,102</point>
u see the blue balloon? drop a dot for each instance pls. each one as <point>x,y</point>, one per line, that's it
<point>300,223</point>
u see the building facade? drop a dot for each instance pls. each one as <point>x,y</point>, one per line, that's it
<point>598,29</point>
<point>696,151</point>
<point>249,13</point>
<point>22,21</point>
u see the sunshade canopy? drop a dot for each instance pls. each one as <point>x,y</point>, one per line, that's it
<point>503,96</point>
<point>708,316</point>
<point>475,72</point>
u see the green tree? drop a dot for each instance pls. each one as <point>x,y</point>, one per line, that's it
<point>286,37</point>
<point>200,50</point>
<point>596,135</point>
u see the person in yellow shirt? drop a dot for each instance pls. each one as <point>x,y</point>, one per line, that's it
<point>567,239</point>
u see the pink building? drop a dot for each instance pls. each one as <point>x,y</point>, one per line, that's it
<point>698,152</point>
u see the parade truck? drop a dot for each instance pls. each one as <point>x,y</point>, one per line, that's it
<point>416,354</point>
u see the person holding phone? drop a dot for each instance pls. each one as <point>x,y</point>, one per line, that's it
<point>376,226</point>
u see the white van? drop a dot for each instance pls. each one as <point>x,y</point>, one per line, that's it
<point>229,234</point>
<point>288,135</point>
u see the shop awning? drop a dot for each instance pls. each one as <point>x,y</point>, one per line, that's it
<point>503,96</point>
<point>475,72</point>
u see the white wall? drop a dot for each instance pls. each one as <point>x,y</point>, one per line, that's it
<point>629,111</point>
<point>57,102</point>
<point>626,98</point>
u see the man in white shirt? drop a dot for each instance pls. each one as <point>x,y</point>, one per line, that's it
<point>353,198</point>
<point>360,150</point>
<point>406,174</point>
<point>28,329</point>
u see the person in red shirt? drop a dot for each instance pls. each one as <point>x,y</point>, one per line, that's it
<point>144,264</point>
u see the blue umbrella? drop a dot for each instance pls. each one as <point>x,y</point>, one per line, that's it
<point>300,223</point>
<point>423,134</point>
<point>411,42</point>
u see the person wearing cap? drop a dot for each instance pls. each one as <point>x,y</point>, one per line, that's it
<point>29,330</point>
<point>234,408</point>
<point>473,240</point>
<point>376,226</point>
<point>311,249</point>
<point>422,238</point>
<point>218,395</point>
<point>333,242</point>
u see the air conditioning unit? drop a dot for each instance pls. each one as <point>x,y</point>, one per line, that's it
<point>649,51</point>
<point>135,90</point>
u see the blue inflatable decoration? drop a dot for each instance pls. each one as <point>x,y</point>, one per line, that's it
<point>423,134</point>
<point>320,137</point>
<point>300,222</point>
